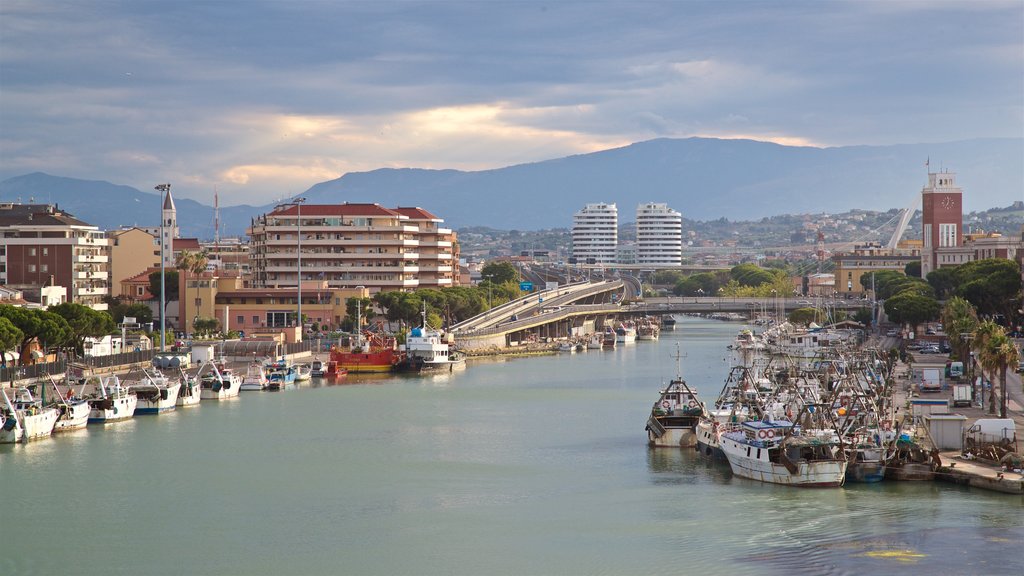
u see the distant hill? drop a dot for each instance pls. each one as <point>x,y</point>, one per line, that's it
<point>704,178</point>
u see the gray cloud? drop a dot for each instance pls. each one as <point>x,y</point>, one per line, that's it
<point>263,99</point>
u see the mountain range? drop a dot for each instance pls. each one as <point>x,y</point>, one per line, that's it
<point>704,178</point>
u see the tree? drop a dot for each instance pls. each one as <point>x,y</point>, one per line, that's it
<point>863,315</point>
<point>667,277</point>
<point>911,308</point>
<point>944,281</point>
<point>355,306</point>
<point>10,335</point>
<point>48,328</point>
<point>189,262</point>
<point>499,273</point>
<point>992,285</point>
<point>751,275</point>
<point>984,335</point>
<point>206,326</point>
<point>84,322</point>
<point>805,316</point>
<point>170,280</point>
<point>143,314</point>
<point>913,269</point>
<point>959,321</point>
<point>1005,355</point>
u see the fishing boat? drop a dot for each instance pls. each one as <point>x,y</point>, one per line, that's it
<point>567,347</point>
<point>625,333</point>
<point>595,342</point>
<point>738,401</point>
<point>674,416</point>
<point>10,425</point>
<point>334,371</point>
<point>37,420</point>
<point>366,352</point>
<point>609,338</point>
<point>191,391</point>
<point>303,373</point>
<point>780,452</point>
<point>156,393</point>
<point>668,322</point>
<point>281,375</point>
<point>648,329</point>
<point>218,382</point>
<point>74,410</point>
<point>115,402</point>
<point>255,377</point>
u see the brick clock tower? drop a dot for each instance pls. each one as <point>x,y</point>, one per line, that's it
<point>942,218</point>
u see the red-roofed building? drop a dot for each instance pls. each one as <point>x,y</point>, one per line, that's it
<point>351,245</point>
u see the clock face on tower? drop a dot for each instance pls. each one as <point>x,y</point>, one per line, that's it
<point>947,202</point>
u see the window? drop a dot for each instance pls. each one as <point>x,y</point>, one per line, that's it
<point>31,268</point>
<point>31,251</point>
<point>44,268</point>
<point>46,251</point>
<point>255,320</point>
<point>240,320</point>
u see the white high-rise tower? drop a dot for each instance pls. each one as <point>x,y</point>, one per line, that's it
<point>595,233</point>
<point>659,235</point>
<point>169,229</point>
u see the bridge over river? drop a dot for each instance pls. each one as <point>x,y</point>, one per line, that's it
<point>582,308</point>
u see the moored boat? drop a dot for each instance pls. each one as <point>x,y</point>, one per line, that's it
<point>779,452</point>
<point>156,393</point>
<point>37,420</point>
<point>625,333</point>
<point>255,377</point>
<point>668,322</point>
<point>317,368</point>
<point>303,372</point>
<point>191,391</point>
<point>281,375</point>
<point>10,425</point>
<point>369,352</point>
<point>74,411</point>
<point>647,329</point>
<point>114,402</point>
<point>218,382</point>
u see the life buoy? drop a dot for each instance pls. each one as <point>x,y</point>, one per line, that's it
<point>664,403</point>
<point>692,404</point>
<point>770,434</point>
<point>762,434</point>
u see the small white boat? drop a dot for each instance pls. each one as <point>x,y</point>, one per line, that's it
<point>74,411</point>
<point>255,377</point>
<point>191,391</point>
<point>115,402</point>
<point>157,393</point>
<point>318,369</point>
<point>36,420</point>
<point>218,382</point>
<point>303,372</point>
<point>595,343</point>
<point>625,333</point>
<point>567,347</point>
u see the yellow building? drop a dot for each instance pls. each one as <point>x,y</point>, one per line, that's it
<point>132,251</point>
<point>866,259</point>
<point>252,310</point>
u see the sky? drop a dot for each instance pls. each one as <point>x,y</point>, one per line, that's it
<point>261,100</point>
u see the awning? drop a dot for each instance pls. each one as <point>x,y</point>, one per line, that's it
<point>11,356</point>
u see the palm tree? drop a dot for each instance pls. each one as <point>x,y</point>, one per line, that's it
<point>194,262</point>
<point>959,321</point>
<point>1004,355</point>
<point>986,332</point>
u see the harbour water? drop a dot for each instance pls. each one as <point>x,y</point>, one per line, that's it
<point>517,466</point>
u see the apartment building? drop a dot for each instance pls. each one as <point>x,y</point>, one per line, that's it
<point>132,251</point>
<point>595,234</point>
<point>45,246</point>
<point>351,245</point>
<point>659,235</point>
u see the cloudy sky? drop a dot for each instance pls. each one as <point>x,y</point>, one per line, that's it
<point>264,99</point>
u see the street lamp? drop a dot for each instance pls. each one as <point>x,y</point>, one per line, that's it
<point>166,189</point>
<point>297,202</point>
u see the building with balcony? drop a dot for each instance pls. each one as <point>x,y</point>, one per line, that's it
<point>349,246</point>
<point>595,234</point>
<point>438,249</point>
<point>45,246</point>
<point>659,235</point>
<point>867,259</point>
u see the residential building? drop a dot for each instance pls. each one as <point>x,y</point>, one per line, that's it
<point>659,235</point>
<point>438,250</point>
<point>132,251</point>
<point>942,222</point>
<point>45,246</point>
<point>349,246</point>
<point>595,234</point>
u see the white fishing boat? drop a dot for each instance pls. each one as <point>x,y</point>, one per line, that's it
<point>427,350</point>
<point>567,347</point>
<point>191,391</point>
<point>255,377</point>
<point>10,425</point>
<point>37,420</point>
<point>156,393</point>
<point>674,417</point>
<point>779,452</point>
<point>625,333</point>
<point>115,402</point>
<point>596,342</point>
<point>648,329</point>
<point>218,382</point>
<point>74,410</point>
<point>738,401</point>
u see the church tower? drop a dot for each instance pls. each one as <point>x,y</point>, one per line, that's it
<point>942,218</point>
<point>169,216</point>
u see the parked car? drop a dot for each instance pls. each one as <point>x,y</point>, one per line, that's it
<point>931,350</point>
<point>930,332</point>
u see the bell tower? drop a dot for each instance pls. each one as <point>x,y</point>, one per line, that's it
<point>942,218</point>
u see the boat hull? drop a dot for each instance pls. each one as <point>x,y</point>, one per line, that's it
<point>671,432</point>
<point>188,397</point>
<point>221,393</point>
<point>160,403</point>
<point>75,416</point>
<point>708,441</point>
<point>809,474</point>
<point>121,409</point>
<point>39,424</point>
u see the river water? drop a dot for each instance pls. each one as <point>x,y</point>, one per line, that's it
<point>519,466</point>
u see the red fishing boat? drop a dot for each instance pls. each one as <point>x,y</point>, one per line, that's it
<point>368,352</point>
